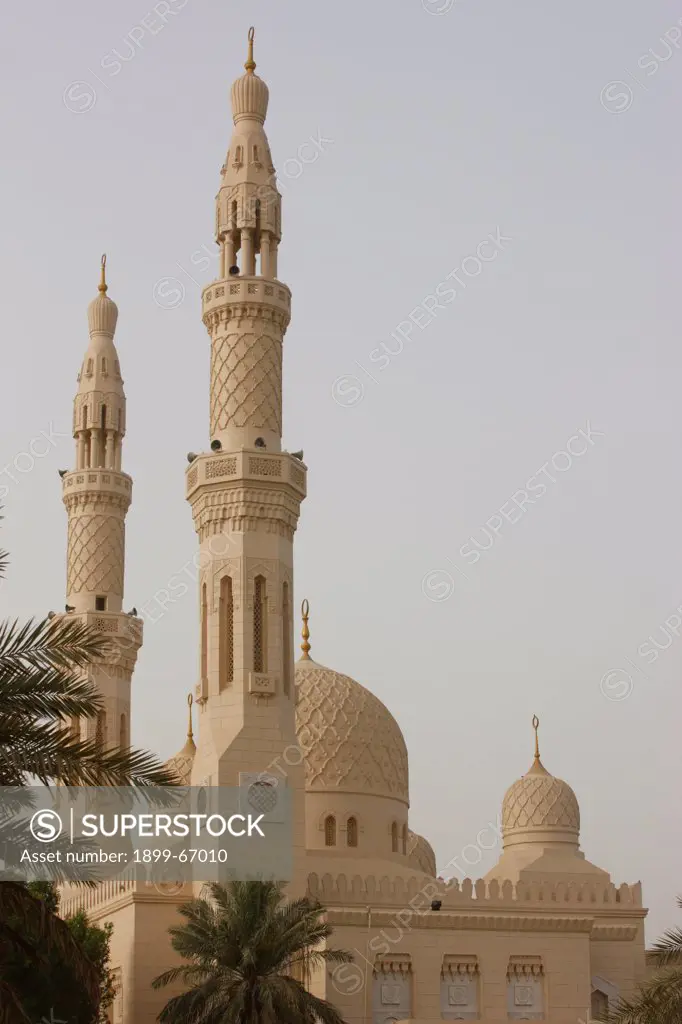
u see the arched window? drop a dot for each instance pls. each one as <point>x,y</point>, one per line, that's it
<point>394,837</point>
<point>404,839</point>
<point>204,641</point>
<point>255,154</point>
<point>259,625</point>
<point>123,733</point>
<point>103,421</point>
<point>89,369</point>
<point>330,830</point>
<point>226,638</point>
<point>600,1004</point>
<point>286,639</point>
<point>352,832</point>
<point>104,365</point>
<point>238,155</point>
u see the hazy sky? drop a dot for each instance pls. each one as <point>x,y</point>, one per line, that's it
<point>438,124</point>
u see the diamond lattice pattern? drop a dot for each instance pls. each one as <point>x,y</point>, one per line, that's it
<point>246,381</point>
<point>352,741</point>
<point>95,557</point>
<point>538,801</point>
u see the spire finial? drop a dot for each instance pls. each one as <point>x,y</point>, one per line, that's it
<point>305,632</point>
<point>190,701</point>
<point>536,724</point>
<point>250,62</point>
<point>102,278</point>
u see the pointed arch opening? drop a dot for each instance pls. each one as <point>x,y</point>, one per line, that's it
<point>259,625</point>
<point>204,641</point>
<point>123,733</point>
<point>330,830</point>
<point>101,729</point>
<point>404,840</point>
<point>394,837</point>
<point>226,633</point>
<point>352,831</point>
<point>286,640</point>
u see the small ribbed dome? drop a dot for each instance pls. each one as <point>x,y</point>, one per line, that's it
<point>351,742</point>
<point>102,312</point>
<point>420,854</point>
<point>249,98</point>
<point>249,93</point>
<point>102,315</point>
<point>181,763</point>
<point>539,801</point>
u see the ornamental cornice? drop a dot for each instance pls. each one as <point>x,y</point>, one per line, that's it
<point>463,921</point>
<point>206,530</point>
<point>613,932</point>
<point>96,503</point>
<point>234,313</point>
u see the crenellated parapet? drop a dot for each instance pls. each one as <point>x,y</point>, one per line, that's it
<point>395,892</point>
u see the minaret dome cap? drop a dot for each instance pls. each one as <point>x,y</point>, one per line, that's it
<point>102,312</point>
<point>249,93</point>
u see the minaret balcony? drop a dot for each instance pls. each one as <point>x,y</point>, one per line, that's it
<point>261,291</point>
<point>104,481</point>
<point>281,469</point>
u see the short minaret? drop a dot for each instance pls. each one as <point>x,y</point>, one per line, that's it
<point>246,493</point>
<point>97,495</point>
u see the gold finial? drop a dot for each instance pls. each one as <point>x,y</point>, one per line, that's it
<point>190,701</point>
<point>536,723</point>
<point>250,62</point>
<point>103,279</point>
<point>305,632</point>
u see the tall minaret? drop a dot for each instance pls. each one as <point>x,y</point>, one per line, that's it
<point>97,496</point>
<point>246,493</point>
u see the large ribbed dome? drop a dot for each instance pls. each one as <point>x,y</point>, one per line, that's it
<point>351,742</point>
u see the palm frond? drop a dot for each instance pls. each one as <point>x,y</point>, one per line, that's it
<point>62,642</point>
<point>46,751</point>
<point>51,692</point>
<point>667,951</point>
<point>657,1002</point>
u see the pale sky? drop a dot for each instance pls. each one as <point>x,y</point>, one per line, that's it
<point>425,127</point>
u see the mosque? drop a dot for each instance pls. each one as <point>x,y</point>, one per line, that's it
<point>546,935</point>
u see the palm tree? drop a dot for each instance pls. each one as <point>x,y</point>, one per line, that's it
<point>659,1000</point>
<point>42,685</point>
<point>246,949</point>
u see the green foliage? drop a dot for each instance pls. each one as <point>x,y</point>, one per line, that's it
<point>55,990</point>
<point>245,949</point>
<point>43,684</point>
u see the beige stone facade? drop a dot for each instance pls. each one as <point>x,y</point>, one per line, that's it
<point>546,935</point>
